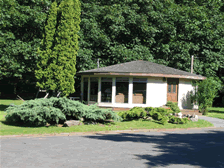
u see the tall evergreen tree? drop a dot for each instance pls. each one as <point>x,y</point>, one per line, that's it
<point>43,75</point>
<point>56,66</point>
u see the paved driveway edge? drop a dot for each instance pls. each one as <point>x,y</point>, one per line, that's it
<point>103,132</point>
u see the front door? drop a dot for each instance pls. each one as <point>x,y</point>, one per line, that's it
<point>172,89</point>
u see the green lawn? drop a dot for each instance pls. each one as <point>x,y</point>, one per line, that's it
<point>135,124</point>
<point>216,112</point>
<point>5,103</point>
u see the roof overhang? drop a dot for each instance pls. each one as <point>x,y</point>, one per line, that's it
<point>145,75</point>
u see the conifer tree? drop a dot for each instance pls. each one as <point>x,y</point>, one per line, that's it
<point>56,67</point>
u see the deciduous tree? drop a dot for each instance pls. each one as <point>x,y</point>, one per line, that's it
<point>205,93</point>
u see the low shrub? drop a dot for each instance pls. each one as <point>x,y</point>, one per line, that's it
<point>54,110</point>
<point>35,116</point>
<point>160,114</point>
<point>94,113</point>
<point>163,116</point>
<point>176,120</point>
<point>149,109</point>
<point>185,120</point>
<point>173,106</point>
<point>172,119</point>
<point>72,109</point>
<point>134,113</point>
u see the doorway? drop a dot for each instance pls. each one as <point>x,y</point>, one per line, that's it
<point>172,89</point>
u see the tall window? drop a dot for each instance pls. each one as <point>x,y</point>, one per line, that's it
<point>122,90</point>
<point>139,90</point>
<point>93,89</point>
<point>106,90</point>
<point>85,89</point>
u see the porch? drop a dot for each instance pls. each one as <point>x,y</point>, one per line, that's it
<point>127,91</point>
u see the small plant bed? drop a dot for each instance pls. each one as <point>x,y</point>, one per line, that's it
<point>216,112</point>
<point>93,119</point>
<point>125,125</point>
<point>40,112</point>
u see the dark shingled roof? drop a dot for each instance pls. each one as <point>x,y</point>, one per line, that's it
<point>140,67</point>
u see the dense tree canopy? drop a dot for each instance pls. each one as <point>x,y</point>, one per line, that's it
<point>21,26</point>
<point>166,32</point>
<point>162,31</point>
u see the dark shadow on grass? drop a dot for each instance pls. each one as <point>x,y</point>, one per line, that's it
<point>20,124</point>
<point>193,149</point>
<point>3,107</point>
<point>216,111</point>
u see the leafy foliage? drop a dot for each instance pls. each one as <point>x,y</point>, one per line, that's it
<point>21,27</point>
<point>206,92</point>
<point>56,66</point>
<point>166,32</point>
<point>93,112</point>
<point>134,113</point>
<point>41,111</point>
<point>149,109</point>
<point>34,115</point>
<point>173,106</point>
<point>160,114</point>
<point>163,116</point>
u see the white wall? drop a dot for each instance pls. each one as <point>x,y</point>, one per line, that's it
<point>156,92</point>
<point>185,88</point>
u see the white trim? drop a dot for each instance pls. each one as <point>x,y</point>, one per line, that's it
<point>113,89</point>
<point>124,105</point>
<point>88,97</point>
<point>147,91</point>
<point>99,90</point>
<point>130,91</point>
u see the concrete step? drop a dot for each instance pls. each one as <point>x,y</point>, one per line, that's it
<point>191,112</point>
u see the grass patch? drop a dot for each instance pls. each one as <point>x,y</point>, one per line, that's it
<point>126,125</point>
<point>4,103</point>
<point>7,129</point>
<point>216,112</point>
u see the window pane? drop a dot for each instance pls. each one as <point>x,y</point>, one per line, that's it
<point>122,90</point>
<point>169,88</point>
<point>85,89</point>
<point>140,80</point>
<point>93,89</point>
<point>139,90</point>
<point>174,88</point>
<point>106,89</point>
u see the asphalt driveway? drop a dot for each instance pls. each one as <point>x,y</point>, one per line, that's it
<point>185,148</point>
<point>215,121</point>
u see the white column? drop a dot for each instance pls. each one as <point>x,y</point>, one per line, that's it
<point>113,89</point>
<point>148,92</point>
<point>81,88</point>
<point>88,97</point>
<point>130,90</point>
<point>99,90</point>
